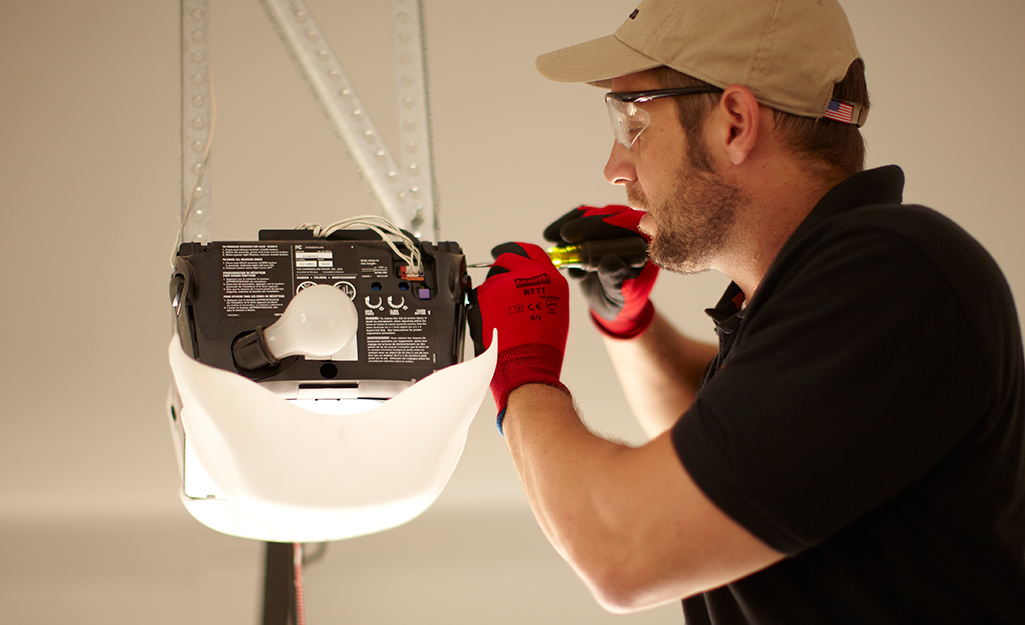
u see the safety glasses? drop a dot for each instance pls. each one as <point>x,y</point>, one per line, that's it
<point>629,120</point>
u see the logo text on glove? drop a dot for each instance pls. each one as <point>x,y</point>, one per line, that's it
<point>535,285</point>
<point>537,280</point>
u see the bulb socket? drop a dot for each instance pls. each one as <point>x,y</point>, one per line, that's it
<point>251,353</point>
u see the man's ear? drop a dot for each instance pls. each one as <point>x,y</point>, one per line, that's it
<point>741,115</point>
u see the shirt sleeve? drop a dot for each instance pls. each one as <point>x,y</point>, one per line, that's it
<point>852,378</point>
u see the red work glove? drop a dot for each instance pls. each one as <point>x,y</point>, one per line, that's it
<point>527,300</point>
<point>617,294</point>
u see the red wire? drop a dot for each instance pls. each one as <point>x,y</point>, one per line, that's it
<point>300,609</point>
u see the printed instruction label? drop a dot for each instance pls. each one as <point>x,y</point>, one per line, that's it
<point>398,335</point>
<point>255,277</point>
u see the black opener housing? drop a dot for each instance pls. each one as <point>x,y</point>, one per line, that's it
<point>409,326</point>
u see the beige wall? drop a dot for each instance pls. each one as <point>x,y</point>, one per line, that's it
<point>90,526</point>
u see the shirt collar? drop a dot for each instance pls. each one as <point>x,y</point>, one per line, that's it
<point>884,185</point>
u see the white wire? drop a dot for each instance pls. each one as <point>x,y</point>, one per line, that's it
<point>384,228</point>
<point>380,225</point>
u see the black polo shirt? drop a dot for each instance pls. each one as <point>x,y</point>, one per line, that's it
<point>866,417</point>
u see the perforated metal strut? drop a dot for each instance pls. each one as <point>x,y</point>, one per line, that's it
<point>196,121</point>
<point>414,114</point>
<point>405,188</point>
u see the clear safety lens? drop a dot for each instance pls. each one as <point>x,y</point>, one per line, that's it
<point>628,120</point>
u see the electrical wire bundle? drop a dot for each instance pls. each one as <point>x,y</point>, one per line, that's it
<point>384,228</point>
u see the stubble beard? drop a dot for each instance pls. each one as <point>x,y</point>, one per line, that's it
<point>694,223</point>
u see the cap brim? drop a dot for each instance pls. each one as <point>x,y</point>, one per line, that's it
<point>596,62</point>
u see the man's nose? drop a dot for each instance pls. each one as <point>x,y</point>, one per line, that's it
<point>619,169</point>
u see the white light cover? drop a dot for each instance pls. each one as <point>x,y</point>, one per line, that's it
<point>292,475</point>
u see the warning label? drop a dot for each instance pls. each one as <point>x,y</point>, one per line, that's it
<point>394,339</point>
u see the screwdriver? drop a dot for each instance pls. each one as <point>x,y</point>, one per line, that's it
<point>586,255</point>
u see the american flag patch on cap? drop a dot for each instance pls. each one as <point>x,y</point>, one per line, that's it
<point>839,111</point>
<point>846,112</point>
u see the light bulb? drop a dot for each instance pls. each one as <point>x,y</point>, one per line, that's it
<point>319,321</point>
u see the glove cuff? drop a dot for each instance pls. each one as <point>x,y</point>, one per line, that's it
<point>534,363</point>
<point>625,328</point>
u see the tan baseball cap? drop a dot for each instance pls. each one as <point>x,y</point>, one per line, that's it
<point>789,53</point>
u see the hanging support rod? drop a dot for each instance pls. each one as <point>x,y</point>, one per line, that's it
<point>196,121</point>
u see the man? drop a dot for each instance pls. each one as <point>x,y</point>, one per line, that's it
<point>853,450</point>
